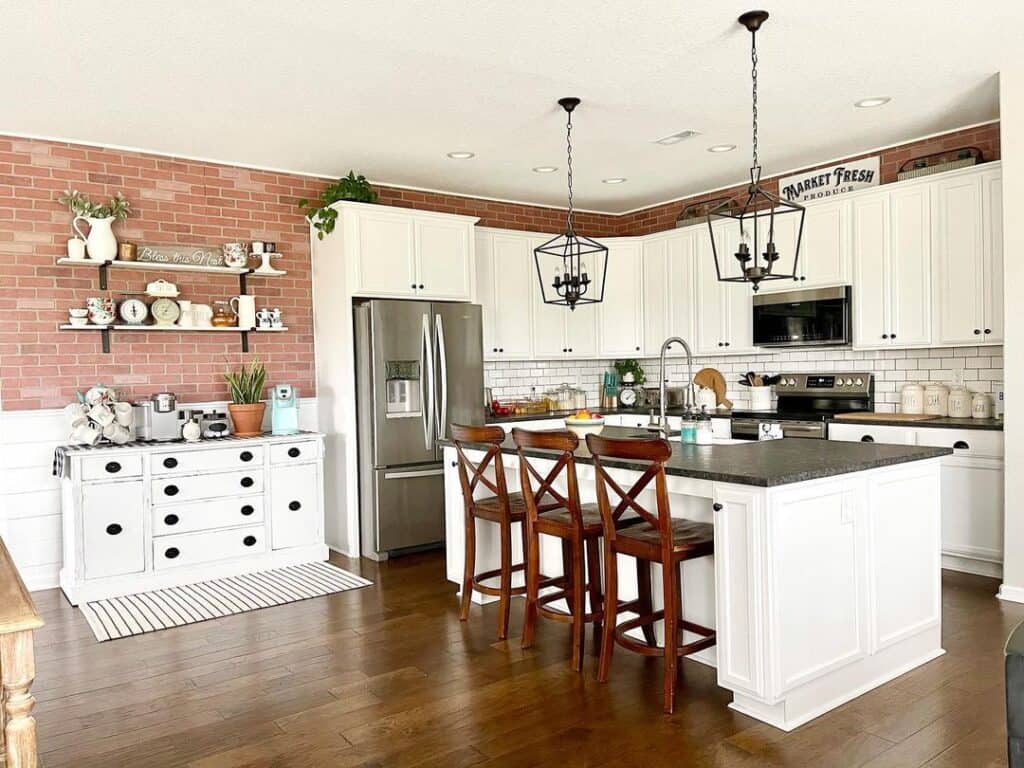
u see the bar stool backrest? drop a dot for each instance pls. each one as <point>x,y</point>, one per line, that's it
<point>471,475</point>
<point>545,497</point>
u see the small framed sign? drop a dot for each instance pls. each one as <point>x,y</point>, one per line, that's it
<point>829,182</point>
<point>190,255</point>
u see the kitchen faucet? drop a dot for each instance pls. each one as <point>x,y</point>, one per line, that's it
<point>690,398</point>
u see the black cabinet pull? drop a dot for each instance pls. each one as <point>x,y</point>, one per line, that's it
<point>638,349</point>
<point>245,455</point>
<point>892,335</point>
<point>570,349</point>
<point>171,552</point>
<point>988,330</point>
<point>113,529</point>
<point>803,277</point>
<point>717,507</point>
<point>112,467</point>
<point>867,439</point>
<point>249,541</point>
<point>421,286</point>
<point>294,506</point>
<point>248,510</point>
<point>977,331</point>
<point>961,445</point>
<point>246,482</point>
<point>495,349</point>
<point>171,490</point>
<point>721,344</point>
<point>171,520</point>
<point>413,286</point>
<point>727,343</point>
<point>294,452</point>
<point>170,462</point>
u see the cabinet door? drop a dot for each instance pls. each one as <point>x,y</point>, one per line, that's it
<point>711,324</point>
<point>113,542</point>
<point>656,294</point>
<point>959,282</point>
<point>548,319</point>
<point>295,516</point>
<point>581,331</point>
<point>486,294</point>
<point>443,259</point>
<point>681,288</point>
<point>910,261</point>
<point>870,222</point>
<point>825,245</point>
<point>737,305</point>
<point>992,199</point>
<point>620,315</point>
<point>385,256</point>
<point>515,282</point>
<point>972,508</point>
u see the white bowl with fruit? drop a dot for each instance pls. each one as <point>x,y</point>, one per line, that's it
<point>583,423</point>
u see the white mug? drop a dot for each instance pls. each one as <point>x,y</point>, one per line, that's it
<point>83,433</point>
<point>101,415</point>
<point>244,308</point>
<point>76,249</point>
<point>124,414</point>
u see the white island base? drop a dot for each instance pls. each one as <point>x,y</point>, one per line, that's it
<point>819,590</point>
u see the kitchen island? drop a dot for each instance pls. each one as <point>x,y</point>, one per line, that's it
<point>826,577</point>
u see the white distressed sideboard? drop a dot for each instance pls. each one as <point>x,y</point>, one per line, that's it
<point>149,516</point>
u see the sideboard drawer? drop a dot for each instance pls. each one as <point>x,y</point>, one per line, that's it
<point>207,515</point>
<point>207,546</point>
<point>238,456</point>
<point>111,466</point>
<point>175,490</point>
<point>112,535</point>
<point>294,453</point>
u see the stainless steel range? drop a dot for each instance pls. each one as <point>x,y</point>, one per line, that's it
<point>806,402</point>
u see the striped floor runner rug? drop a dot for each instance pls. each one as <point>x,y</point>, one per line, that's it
<point>145,612</point>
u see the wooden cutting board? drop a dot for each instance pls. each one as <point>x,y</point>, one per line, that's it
<point>908,417</point>
<point>713,379</point>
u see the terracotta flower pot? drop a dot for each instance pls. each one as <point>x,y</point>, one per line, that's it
<point>247,419</point>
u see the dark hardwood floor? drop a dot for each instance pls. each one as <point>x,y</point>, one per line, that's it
<point>388,676</point>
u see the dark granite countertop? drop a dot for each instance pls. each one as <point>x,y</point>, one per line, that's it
<point>764,464</point>
<point>944,422</point>
<point>675,411</point>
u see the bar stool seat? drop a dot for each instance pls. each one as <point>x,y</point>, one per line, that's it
<point>591,518</point>
<point>689,539</point>
<point>490,508</point>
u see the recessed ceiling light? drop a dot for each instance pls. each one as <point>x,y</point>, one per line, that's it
<point>545,169</point>
<point>461,155</point>
<point>612,181</point>
<point>721,148</point>
<point>675,138</point>
<point>874,101</point>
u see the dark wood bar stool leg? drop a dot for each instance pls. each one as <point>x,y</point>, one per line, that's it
<point>594,584</point>
<point>469,567</point>
<point>644,599</point>
<point>611,613</point>
<point>505,586</point>
<point>669,583</point>
<point>532,584</point>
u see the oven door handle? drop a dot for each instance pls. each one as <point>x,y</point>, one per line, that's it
<point>802,429</point>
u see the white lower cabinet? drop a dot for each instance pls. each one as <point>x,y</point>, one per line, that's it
<point>295,515</point>
<point>113,538</point>
<point>207,546</point>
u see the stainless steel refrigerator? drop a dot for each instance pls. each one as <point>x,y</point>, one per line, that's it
<point>419,367</point>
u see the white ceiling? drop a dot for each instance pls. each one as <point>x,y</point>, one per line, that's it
<point>388,88</point>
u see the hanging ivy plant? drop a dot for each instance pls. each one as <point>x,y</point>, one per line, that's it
<point>319,212</point>
<point>623,367</point>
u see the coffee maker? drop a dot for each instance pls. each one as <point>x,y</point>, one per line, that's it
<point>158,418</point>
<point>284,410</point>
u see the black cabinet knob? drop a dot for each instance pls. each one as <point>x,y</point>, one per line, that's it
<point>112,467</point>
<point>171,520</point>
<point>717,507</point>
<point>171,490</point>
<point>867,439</point>
<point>171,552</point>
<point>495,349</point>
<point>727,343</point>
<point>885,335</point>
<point>113,529</point>
<point>294,506</point>
<point>170,462</point>
<point>988,330</point>
<point>803,277</point>
<point>570,349</point>
<point>245,455</point>
<point>638,349</point>
<point>961,445</point>
<point>977,331</point>
<point>502,349</point>
<point>413,286</point>
<point>247,510</point>
<point>294,452</point>
<point>892,335</point>
<point>246,482</point>
<point>249,541</point>
<point>421,286</point>
<point>721,344</point>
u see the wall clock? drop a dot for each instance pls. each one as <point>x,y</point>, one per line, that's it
<point>133,311</point>
<point>165,311</point>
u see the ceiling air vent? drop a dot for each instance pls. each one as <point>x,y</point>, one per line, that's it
<point>675,138</point>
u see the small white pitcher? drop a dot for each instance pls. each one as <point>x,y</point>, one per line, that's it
<point>101,245</point>
<point>244,308</point>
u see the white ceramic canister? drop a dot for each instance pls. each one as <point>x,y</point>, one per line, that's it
<point>959,403</point>
<point>936,399</point>
<point>912,399</point>
<point>981,406</point>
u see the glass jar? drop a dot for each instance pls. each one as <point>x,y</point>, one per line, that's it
<point>688,429</point>
<point>704,432</point>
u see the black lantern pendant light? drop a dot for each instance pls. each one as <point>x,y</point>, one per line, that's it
<point>756,212</point>
<point>562,268</point>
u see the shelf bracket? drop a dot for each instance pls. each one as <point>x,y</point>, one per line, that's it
<point>105,333</point>
<point>103,279</point>
<point>242,283</point>
<point>245,337</point>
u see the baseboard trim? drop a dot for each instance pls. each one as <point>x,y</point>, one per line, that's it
<point>1010,594</point>
<point>972,565</point>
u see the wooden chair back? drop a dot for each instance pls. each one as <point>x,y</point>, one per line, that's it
<point>655,451</point>
<point>473,474</point>
<point>544,497</point>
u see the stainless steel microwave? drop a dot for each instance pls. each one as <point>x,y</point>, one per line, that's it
<point>816,317</point>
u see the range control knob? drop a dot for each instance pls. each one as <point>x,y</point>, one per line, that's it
<point>782,382</point>
<point>849,382</point>
<point>791,382</point>
<point>859,382</point>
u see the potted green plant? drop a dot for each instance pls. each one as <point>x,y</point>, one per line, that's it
<point>630,368</point>
<point>319,212</point>
<point>100,244</point>
<point>246,407</point>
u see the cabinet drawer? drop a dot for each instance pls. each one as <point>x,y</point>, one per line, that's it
<point>292,453</point>
<point>238,456</point>
<point>966,442</point>
<point>111,466</point>
<point>295,515</point>
<point>112,536</point>
<point>174,490</point>
<point>207,515</point>
<point>872,433</point>
<point>204,547</point>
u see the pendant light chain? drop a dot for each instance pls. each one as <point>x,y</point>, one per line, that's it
<point>753,75</point>
<point>568,149</point>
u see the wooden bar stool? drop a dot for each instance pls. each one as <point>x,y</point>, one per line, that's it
<point>503,509</point>
<point>661,538</point>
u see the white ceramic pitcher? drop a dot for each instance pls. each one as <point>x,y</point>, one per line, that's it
<point>101,245</point>
<point>245,308</point>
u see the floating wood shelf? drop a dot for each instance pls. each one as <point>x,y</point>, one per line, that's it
<point>106,329</point>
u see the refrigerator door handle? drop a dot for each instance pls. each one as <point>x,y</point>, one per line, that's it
<point>413,473</point>
<point>442,418</point>
<point>427,384</point>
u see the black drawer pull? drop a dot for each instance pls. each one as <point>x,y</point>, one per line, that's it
<point>294,452</point>
<point>294,506</point>
<point>249,541</point>
<point>171,520</point>
<point>961,445</point>
<point>170,462</point>
<point>171,552</point>
<point>867,439</point>
<point>113,529</point>
<point>248,510</point>
<point>245,455</point>
<point>717,507</point>
<point>246,482</point>
<point>112,467</point>
<point>171,490</point>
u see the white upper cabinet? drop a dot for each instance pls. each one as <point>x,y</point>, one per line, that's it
<point>402,253</point>
<point>669,297</point>
<point>621,314</point>
<point>825,245</point>
<point>505,283</point>
<point>655,294</point>
<point>870,258</point>
<point>724,310</point>
<point>969,271</point>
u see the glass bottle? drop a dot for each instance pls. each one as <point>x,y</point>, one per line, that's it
<point>688,428</point>
<point>704,433</point>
